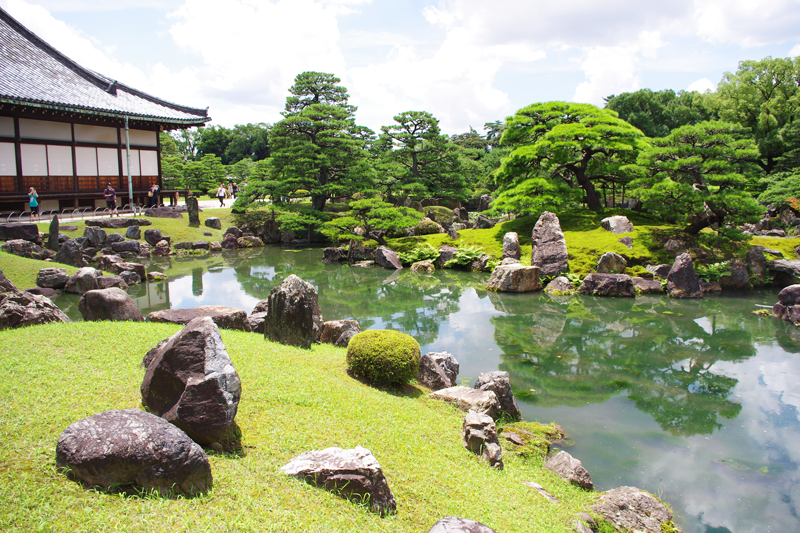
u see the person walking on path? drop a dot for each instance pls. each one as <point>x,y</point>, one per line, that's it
<point>33,200</point>
<point>153,194</point>
<point>221,192</point>
<point>111,200</point>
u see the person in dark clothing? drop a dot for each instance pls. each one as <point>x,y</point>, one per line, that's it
<point>111,199</point>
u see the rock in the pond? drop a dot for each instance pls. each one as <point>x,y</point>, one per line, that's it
<point>185,245</point>
<point>784,271</point>
<point>481,264</point>
<point>353,474</point>
<point>156,276</point>
<point>52,278</point>
<point>293,313</point>
<point>71,253</point>
<point>514,278</point>
<point>339,332</point>
<point>161,249</point>
<point>387,258</point>
<point>130,447</point>
<point>468,399</point>
<point>789,295</point>
<point>19,309</point>
<point>570,469</point>
<point>499,382</point>
<point>607,285</point>
<point>627,241</point>
<point>130,277</point>
<point>229,242</point>
<point>682,280</point>
<point>446,253</point>
<point>85,279</point>
<point>115,265</point>
<point>632,509</point>
<point>756,264</point>
<point>660,271</point>
<point>511,247</point>
<point>646,286</point>
<point>131,247</point>
<point>200,245</point>
<point>479,435</point>
<point>617,224</point>
<point>223,317</point>
<point>109,304</point>
<point>424,266</point>
<point>549,248</point>
<point>738,279</point>
<point>333,254</point>
<point>611,263</point>
<point>133,232</point>
<point>192,383</point>
<point>43,291</point>
<point>710,287</point>
<point>560,286</point>
<point>438,370</point>
<point>452,524</point>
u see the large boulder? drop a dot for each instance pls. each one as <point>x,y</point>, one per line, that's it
<point>191,382</point>
<point>789,295</point>
<point>756,264</point>
<point>223,317</point>
<point>213,223</point>
<point>353,474</point>
<point>130,447</point>
<point>161,249</point>
<point>785,271</point>
<point>632,509</point>
<point>23,248</point>
<point>153,236</point>
<point>20,309</point>
<point>511,247</point>
<point>514,278</point>
<point>387,258</point>
<point>71,253</point>
<point>423,266</point>
<point>95,236</point>
<point>52,278</point>
<point>611,263</point>
<point>617,224</point>
<point>20,230</point>
<point>118,223</point>
<point>438,370</point>
<point>682,280</point>
<point>162,212</point>
<point>659,271</point>
<point>607,285</point>
<point>229,242</point>
<point>131,247</point>
<point>133,232</point>
<point>570,469</point>
<point>549,250</point>
<point>453,524</point>
<point>479,435</point>
<point>85,279</point>
<point>107,282</point>
<point>293,313</point>
<point>499,382</point>
<point>109,304</point>
<point>738,279</point>
<point>646,286</point>
<point>339,332</point>
<point>468,399</point>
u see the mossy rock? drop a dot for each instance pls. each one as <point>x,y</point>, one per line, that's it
<point>530,439</point>
<point>441,214</point>
<point>383,356</point>
<point>426,226</point>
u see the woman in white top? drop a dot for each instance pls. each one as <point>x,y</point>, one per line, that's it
<point>221,195</point>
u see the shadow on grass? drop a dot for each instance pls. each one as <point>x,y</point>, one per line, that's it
<point>407,390</point>
<point>229,446</point>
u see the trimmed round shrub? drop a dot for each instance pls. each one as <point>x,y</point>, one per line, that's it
<point>383,356</point>
<point>426,226</point>
<point>441,214</point>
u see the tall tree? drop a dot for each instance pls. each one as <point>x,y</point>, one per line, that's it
<point>248,141</point>
<point>576,143</point>
<point>765,97</point>
<point>698,173</point>
<point>214,140</point>
<point>657,113</point>
<point>318,146</point>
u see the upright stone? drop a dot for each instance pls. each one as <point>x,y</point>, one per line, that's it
<point>511,247</point>
<point>682,280</point>
<point>499,382</point>
<point>549,250</point>
<point>293,313</point>
<point>387,258</point>
<point>611,263</point>
<point>71,253</point>
<point>756,264</point>
<point>52,236</point>
<point>96,236</point>
<point>438,370</point>
<point>194,210</point>
<point>479,435</point>
<point>133,232</point>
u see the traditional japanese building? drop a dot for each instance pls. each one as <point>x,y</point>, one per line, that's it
<point>68,131</point>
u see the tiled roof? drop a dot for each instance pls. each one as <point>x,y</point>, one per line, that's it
<point>33,72</point>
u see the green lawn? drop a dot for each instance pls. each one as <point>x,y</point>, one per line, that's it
<point>293,401</point>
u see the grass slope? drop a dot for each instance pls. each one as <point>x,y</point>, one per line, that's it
<point>22,271</point>
<point>293,401</point>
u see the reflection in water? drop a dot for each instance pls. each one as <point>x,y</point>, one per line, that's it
<point>696,400</point>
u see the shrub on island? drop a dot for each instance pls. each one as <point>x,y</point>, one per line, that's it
<point>383,356</point>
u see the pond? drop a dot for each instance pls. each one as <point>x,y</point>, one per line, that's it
<point>695,401</point>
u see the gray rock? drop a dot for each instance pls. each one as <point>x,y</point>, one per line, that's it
<point>481,264</point>
<point>214,247</point>
<point>130,277</point>
<point>71,253</point>
<point>109,304</point>
<point>646,286</point>
<point>631,509</point>
<point>785,271</point>
<point>162,212</point>
<point>233,230</point>
<point>549,248</point>
<point>53,234</point>
<point>511,247</point>
<point>293,313</point>
<point>353,474</point>
<point>485,202</point>
<point>257,321</point>
<point>223,317</point>
<point>133,232</point>
<point>756,264</point>
<point>43,291</point>
<point>514,278</point>
<point>5,284</point>
<point>617,224</point>
<point>126,246</point>
<point>437,370</point>
<point>185,245</point>
<point>499,382</point>
<point>52,278</point>
<point>229,242</point>
<point>682,280</point>
<point>191,382</point>
<point>115,265</point>
<point>540,489</point>
<point>479,435</point>
<point>570,469</point>
<point>115,237</point>
<point>560,286</point>
<point>95,236</point>
<point>161,249</point>
<point>193,209</point>
<point>675,248</point>
<point>509,261</point>
<point>607,285</point>
<point>627,241</point>
<point>452,524</point>
<point>710,287</point>
<point>200,245</point>
<point>85,279</point>
<point>468,399</point>
<point>387,258</point>
<point>484,222</point>
<point>153,237</point>
<point>790,295</point>
<point>339,332</point>
<point>213,223</point>
<point>660,271</point>
<point>423,266</point>
<point>20,230</point>
<point>333,255</point>
<point>107,282</point>
<point>611,263</point>
<point>131,447</point>
<point>118,223</point>
<point>446,253</point>
<point>20,309</point>
<point>738,279</point>
<point>23,248</point>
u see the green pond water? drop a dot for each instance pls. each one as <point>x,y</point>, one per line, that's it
<point>695,401</point>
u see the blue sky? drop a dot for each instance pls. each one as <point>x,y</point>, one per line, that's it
<point>466,61</point>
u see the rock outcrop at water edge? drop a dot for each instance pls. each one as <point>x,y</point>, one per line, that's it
<point>479,435</point>
<point>549,248</point>
<point>632,509</point>
<point>514,278</point>
<point>570,469</point>
<point>468,399</point>
<point>611,263</point>
<point>339,332</point>
<point>109,304</point>
<point>293,313</point>
<point>499,382</point>
<point>682,280</point>
<point>607,285</point>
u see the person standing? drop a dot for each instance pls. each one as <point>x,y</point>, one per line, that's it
<point>111,199</point>
<point>221,195</point>
<point>33,200</point>
<point>235,191</point>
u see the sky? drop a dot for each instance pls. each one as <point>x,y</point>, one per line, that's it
<point>467,62</point>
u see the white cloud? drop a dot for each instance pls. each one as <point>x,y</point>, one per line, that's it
<point>795,51</point>
<point>702,85</point>
<point>747,23</point>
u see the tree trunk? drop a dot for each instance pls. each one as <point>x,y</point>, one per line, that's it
<point>318,201</point>
<point>592,200</point>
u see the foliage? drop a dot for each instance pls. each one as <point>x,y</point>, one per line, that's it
<point>578,144</point>
<point>526,195</point>
<point>441,214</point>
<point>657,113</point>
<point>714,271</point>
<point>374,216</point>
<point>426,227</point>
<point>464,256</point>
<point>206,174</point>
<point>384,356</point>
<point>243,141</point>
<point>779,187</point>
<point>574,279</point>
<point>421,253</point>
